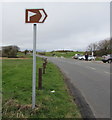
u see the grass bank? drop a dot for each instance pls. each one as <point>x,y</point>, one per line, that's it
<point>17,87</point>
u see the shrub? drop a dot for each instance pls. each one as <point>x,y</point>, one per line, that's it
<point>10,51</point>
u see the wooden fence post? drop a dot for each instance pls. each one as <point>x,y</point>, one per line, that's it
<point>40,79</point>
<point>44,67</point>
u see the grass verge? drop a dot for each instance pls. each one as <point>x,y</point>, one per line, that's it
<point>17,87</point>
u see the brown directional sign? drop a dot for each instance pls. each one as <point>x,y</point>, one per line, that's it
<point>35,16</point>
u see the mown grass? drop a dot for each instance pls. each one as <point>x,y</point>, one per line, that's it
<point>17,87</point>
<point>0,89</point>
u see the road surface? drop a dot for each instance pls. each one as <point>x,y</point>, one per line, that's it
<point>93,81</point>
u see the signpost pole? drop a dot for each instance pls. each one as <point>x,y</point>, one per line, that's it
<point>34,67</point>
<point>34,16</point>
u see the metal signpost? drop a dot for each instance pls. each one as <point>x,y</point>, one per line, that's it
<point>34,16</point>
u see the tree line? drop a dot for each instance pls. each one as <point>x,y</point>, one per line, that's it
<point>100,48</point>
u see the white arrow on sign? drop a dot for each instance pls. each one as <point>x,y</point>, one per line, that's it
<point>30,14</point>
<point>43,15</point>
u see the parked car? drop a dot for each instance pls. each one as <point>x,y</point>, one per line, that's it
<point>76,56</point>
<point>90,57</point>
<point>107,58</point>
<point>81,57</point>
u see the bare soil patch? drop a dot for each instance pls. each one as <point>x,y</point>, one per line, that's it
<point>13,58</point>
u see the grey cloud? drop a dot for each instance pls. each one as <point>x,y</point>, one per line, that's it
<point>69,25</point>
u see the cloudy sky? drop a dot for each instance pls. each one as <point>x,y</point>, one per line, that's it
<point>69,25</point>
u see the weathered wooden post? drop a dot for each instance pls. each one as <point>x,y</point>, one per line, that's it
<point>44,67</point>
<point>45,60</point>
<point>40,78</point>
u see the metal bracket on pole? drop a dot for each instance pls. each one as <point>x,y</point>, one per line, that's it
<point>34,67</point>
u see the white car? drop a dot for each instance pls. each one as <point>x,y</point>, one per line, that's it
<point>81,57</point>
<point>106,56</point>
<point>90,57</point>
<point>76,56</point>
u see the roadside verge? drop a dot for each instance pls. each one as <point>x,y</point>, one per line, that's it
<point>52,101</point>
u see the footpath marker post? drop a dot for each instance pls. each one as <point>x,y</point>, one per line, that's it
<point>34,16</point>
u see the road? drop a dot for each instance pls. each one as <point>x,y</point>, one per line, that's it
<point>92,79</point>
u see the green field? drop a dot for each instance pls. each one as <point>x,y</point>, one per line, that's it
<point>0,89</point>
<point>64,54</point>
<point>17,87</point>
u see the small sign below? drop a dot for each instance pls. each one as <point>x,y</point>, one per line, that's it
<point>35,16</point>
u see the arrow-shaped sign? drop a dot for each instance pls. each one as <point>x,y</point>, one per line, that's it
<point>35,15</point>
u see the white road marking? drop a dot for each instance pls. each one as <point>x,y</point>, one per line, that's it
<point>91,68</point>
<point>106,72</point>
